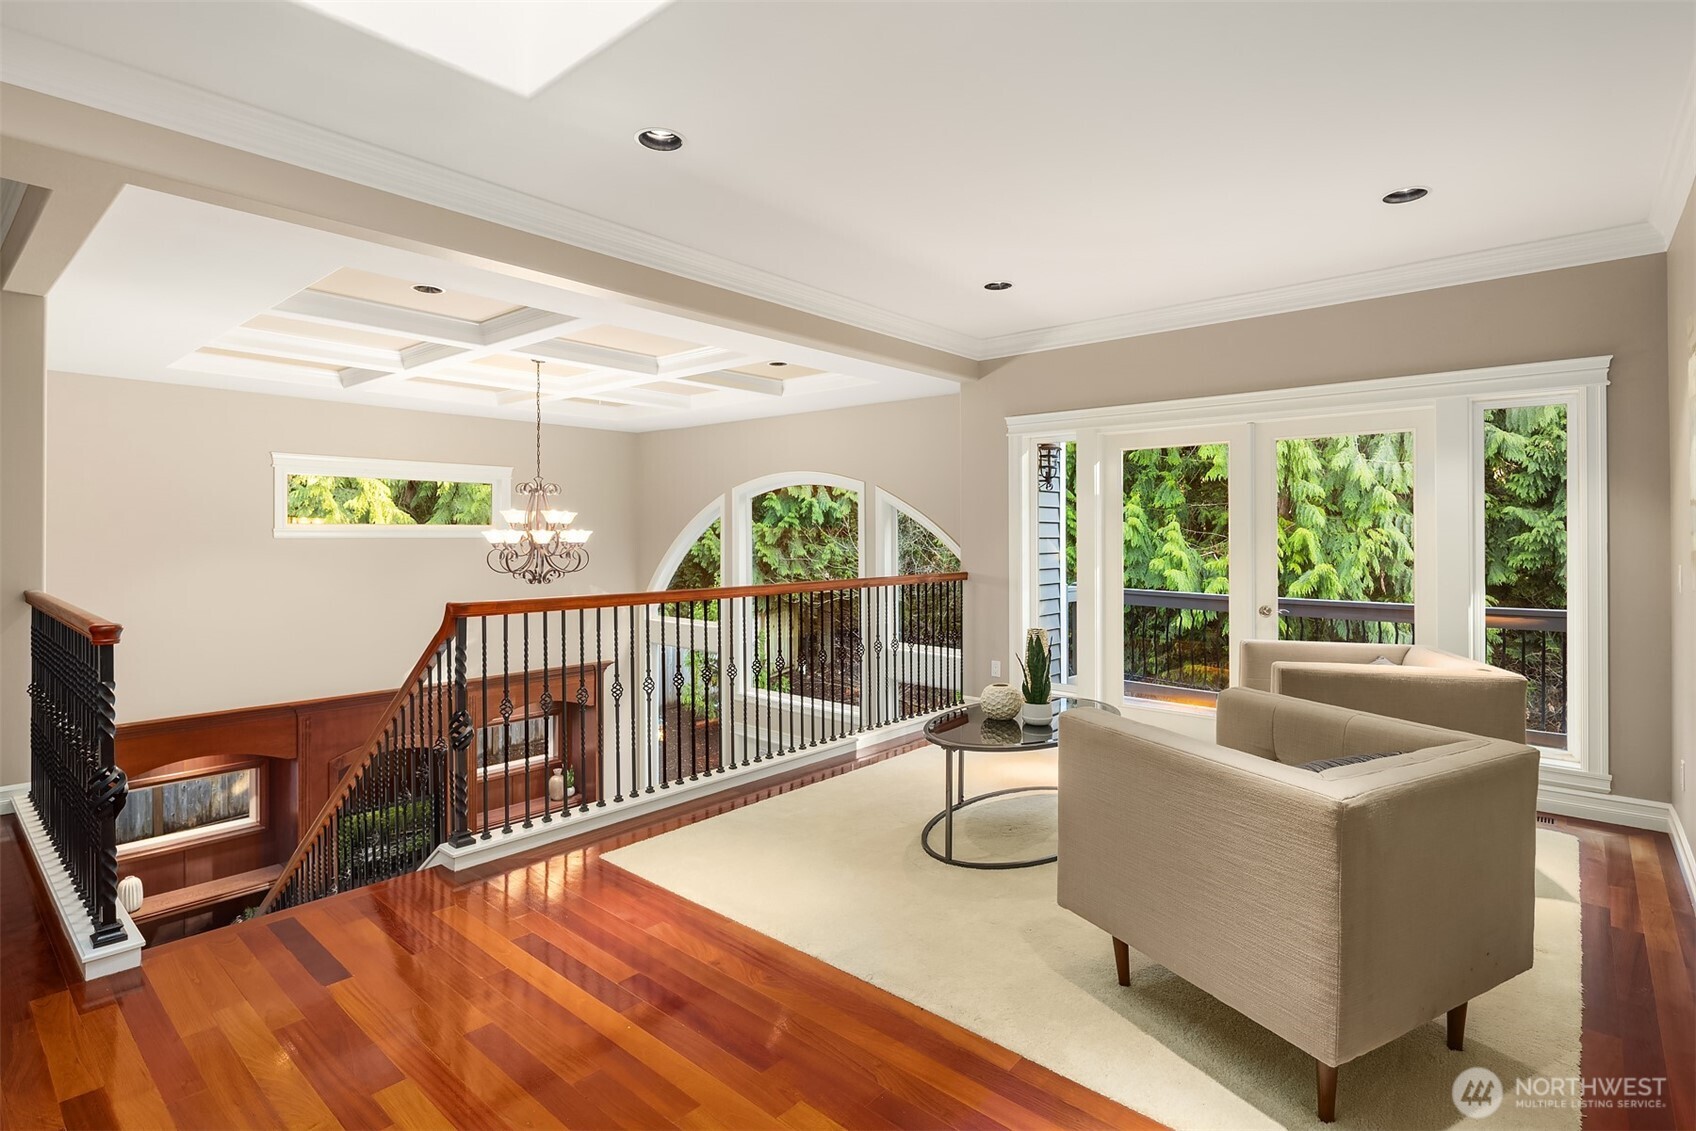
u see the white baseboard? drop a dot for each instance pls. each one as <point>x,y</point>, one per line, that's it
<point>10,795</point>
<point>73,918</point>
<point>1632,812</point>
<point>540,835</point>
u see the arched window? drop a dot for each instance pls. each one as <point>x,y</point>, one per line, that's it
<point>702,566</point>
<point>911,542</point>
<point>804,531</point>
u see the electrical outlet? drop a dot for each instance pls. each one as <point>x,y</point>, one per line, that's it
<point>1681,775</point>
<point>995,669</point>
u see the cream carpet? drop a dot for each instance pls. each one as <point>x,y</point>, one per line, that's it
<point>836,870</point>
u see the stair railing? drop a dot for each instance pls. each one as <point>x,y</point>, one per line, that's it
<point>529,712</point>
<point>75,784</point>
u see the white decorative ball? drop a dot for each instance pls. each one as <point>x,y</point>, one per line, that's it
<point>1002,701</point>
<point>129,893</point>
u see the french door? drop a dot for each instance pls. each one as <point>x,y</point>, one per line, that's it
<point>1296,528</point>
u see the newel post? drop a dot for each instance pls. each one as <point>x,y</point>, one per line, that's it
<point>460,833</point>
<point>107,792</point>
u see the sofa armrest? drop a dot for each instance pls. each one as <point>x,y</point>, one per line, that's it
<point>1437,888</point>
<point>1256,657</point>
<point>1475,700</point>
<point>1218,865</point>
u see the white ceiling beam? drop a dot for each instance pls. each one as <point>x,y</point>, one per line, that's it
<point>272,343</point>
<point>381,318</point>
<point>647,398</point>
<point>745,382</point>
<point>597,357</point>
<point>707,359</point>
<point>317,376</point>
<point>507,333</point>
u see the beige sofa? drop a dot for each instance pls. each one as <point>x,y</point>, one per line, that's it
<point>1339,909</point>
<point>1420,684</point>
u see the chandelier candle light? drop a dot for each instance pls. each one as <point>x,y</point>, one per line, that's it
<point>539,543</point>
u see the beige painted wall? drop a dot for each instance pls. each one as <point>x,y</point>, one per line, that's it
<point>1681,406</point>
<point>159,515</point>
<point>22,470</point>
<point>1613,308</point>
<point>910,448</point>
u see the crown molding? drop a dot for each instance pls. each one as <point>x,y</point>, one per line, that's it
<point>1470,267</point>
<point>1680,169</point>
<point>64,72</point>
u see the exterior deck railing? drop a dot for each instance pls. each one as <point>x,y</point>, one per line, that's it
<point>75,784</point>
<point>526,713</point>
<point>1177,645</point>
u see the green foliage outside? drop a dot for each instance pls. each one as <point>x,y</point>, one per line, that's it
<point>806,533</point>
<point>346,500</point>
<point>382,840</point>
<point>1525,507</point>
<point>918,551</point>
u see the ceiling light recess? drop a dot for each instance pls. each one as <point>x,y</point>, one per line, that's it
<point>998,285</point>
<point>663,141</point>
<point>1406,195</point>
<point>426,289</point>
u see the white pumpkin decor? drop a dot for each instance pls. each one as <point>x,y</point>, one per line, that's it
<point>130,894</point>
<point>1002,701</point>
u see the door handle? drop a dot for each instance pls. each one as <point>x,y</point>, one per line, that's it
<point>1266,610</point>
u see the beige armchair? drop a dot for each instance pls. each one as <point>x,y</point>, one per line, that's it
<point>1420,684</point>
<point>1340,909</point>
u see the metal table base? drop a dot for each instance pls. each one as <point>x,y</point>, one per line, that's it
<point>954,799</point>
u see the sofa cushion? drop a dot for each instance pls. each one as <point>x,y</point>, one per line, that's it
<point>1386,660</point>
<point>1346,760</point>
<point>1382,764</point>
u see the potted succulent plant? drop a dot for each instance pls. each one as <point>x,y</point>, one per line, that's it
<point>1038,685</point>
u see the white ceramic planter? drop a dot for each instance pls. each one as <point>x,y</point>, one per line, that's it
<point>1037,714</point>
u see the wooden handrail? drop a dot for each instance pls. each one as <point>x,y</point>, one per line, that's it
<point>454,612</point>
<point>364,752</point>
<point>98,630</point>
<point>671,596</point>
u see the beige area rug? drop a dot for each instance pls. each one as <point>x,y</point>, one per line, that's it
<point>835,870</point>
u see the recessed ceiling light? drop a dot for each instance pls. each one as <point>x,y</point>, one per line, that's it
<point>777,363</point>
<point>427,289</point>
<point>1406,195</point>
<point>998,285</point>
<point>663,140</point>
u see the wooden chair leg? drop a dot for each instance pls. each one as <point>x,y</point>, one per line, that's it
<point>1457,1027</point>
<point>1327,1091</point>
<point>1122,959</point>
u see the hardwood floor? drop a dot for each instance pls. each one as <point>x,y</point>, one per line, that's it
<point>564,991</point>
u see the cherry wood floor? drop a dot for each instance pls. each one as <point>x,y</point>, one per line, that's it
<point>564,991</point>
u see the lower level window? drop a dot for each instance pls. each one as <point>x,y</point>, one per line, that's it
<point>204,805</point>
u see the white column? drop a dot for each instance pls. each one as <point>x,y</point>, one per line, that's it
<point>23,388</point>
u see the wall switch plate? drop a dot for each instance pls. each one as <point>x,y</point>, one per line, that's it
<point>1681,775</point>
<point>995,668</point>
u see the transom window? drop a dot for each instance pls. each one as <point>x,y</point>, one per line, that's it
<point>189,808</point>
<point>320,496</point>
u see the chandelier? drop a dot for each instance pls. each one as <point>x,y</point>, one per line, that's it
<point>539,544</point>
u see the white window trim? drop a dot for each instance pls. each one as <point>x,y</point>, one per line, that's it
<point>737,532</point>
<point>285,464</point>
<point>888,505</point>
<point>685,541</point>
<point>1456,400</point>
<point>253,822</point>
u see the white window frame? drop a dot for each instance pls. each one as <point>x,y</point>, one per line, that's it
<point>889,505</point>
<point>685,541</point>
<point>1450,601</point>
<point>738,530</point>
<point>285,464</point>
<point>253,822</point>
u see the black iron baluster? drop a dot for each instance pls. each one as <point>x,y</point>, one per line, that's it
<point>721,690</point>
<point>506,723</point>
<point>582,725</point>
<point>549,728</point>
<point>648,684</point>
<point>696,682</point>
<point>750,660</point>
<point>482,731</point>
<point>524,719</point>
<point>618,709</point>
<point>600,715</point>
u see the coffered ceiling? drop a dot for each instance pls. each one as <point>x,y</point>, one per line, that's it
<point>1129,167</point>
<point>187,292</point>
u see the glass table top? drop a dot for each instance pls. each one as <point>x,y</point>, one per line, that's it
<point>968,728</point>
